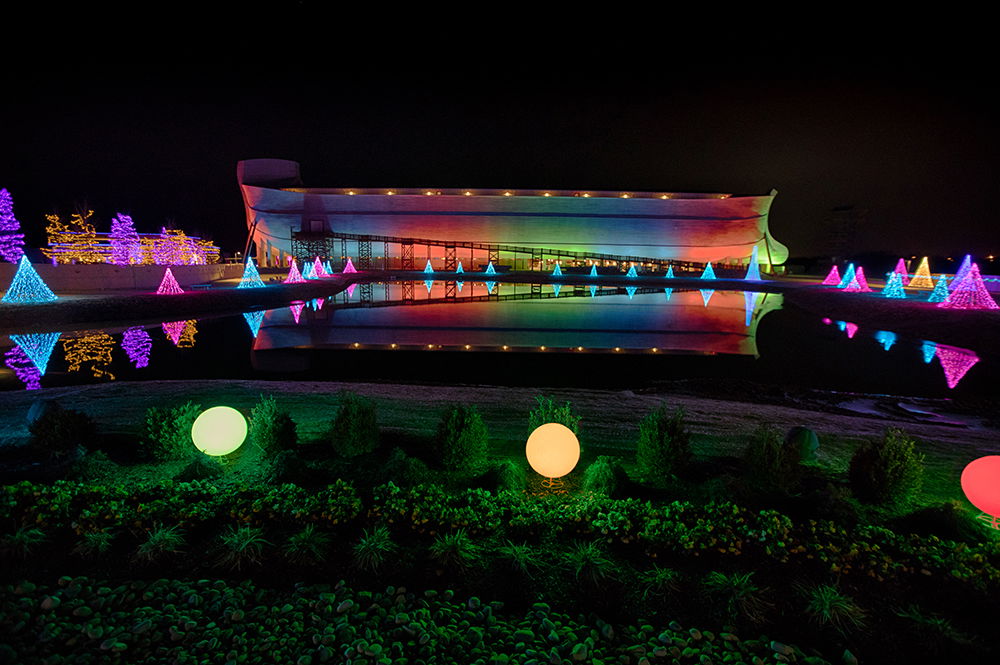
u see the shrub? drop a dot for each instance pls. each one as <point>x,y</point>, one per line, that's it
<point>454,550</point>
<point>658,583</point>
<point>58,432</point>
<point>548,412</point>
<point>664,445</point>
<point>773,460</point>
<point>354,430</point>
<point>462,440</point>
<point>511,476</point>
<point>201,467</point>
<point>403,470</point>
<point>887,471</point>
<point>307,546</point>
<point>270,429</point>
<point>242,545</point>
<point>373,549</point>
<point>738,594</point>
<point>168,431</point>
<point>160,541</point>
<point>828,607</point>
<point>603,476</point>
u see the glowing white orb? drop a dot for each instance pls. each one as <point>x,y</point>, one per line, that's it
<point>552,450</point>
<point>219,431</point>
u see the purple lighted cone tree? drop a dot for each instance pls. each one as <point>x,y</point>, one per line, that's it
<point>173,330</point>
<point>955,362</point>
<point>901,271</point>
<point>169,285</point>
<point>11,238</point>
<point>125,246</point>
<point>859,275</point>
<point>137,344</point>
<point>349,267</point>
<point>963,271</point>
<point>24,369</point>
<point>296,308</point>
<point>970,293</point>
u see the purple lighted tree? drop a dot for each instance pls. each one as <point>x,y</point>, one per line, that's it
<point>125,245</point>
<point>11,238</point>
<point>137,345</point>
<point>970,293</point>
<point>955,362</point>
<point>23,368</point>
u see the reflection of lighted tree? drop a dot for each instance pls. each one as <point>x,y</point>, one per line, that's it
<point>94,349</point>
<point>173,330</point>
<point>254,319</point>
<point>885,338</point>
<point>929,349</point>
<point>38,347</point>
<point>24,369</point>
<point>186,340</point>
<point>955,362</point>
<point>296,308</point>
<point>137,344</point>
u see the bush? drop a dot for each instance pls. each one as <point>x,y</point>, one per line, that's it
<point>603,476</point>
<point>355,430</point>
<point>201,467</point>
<point>548,412</point>
<point>58,432</point>
<point>462,440</point>
<point>773,460</point>
<point>270,429</point>
<point>887,471</point>
<point>168,431</point>
<point>403,470</point>
<point>511,476</point>
<point>664,446</point>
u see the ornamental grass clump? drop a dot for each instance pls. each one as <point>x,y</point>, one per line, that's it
<point>454,550</point>
<point>242,545</point>
<point>355,428</point>
<point>548,412</point>
<point>168,431</point>
<point>737,595</point>
<point>462,440</point>
<point>94,544</point>
<point>160,541</point>
<point>307,546</point>
<point>23,542</point>
<point>828,607</point>
<point>664,445</point>
<point>373,549</point>
<point>271,429</point>
<point>887,471</point>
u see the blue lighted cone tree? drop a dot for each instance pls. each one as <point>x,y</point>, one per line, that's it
<point>929,350</point>
<point>557,271</point>
<point>307,271</point>
<point>670,272</point>
<point>11,238</point>
<point>490,270</point>
<point>556,288</point>
<point>894,286</point>
<point>593,270</point>
<point>429,267</point>
<point>460,268</point>
<point>886,338</point>
<point>631,272</point>
<point>630,290</point>
<point>126,249</point>
<point>709,272</point>
<point>251,278</point>
<point>254,319</point>
<point>940,292</point>
<point>27,287</point>
<point>963,271</point>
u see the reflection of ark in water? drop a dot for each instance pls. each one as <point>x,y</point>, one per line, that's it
<point>678,324</point>
<point>661,226</point>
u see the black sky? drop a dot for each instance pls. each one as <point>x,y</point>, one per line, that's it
<point>909,133</point>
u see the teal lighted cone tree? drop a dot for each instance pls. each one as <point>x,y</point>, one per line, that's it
<point>630,290</point>
<point>254,319</point>
<point>11,238</point>
<point>847,277</point>
<point>27,287</point>
<point>929,350</point>
<point>429,267</point>
<point>557,271</point>
<point>307,271</point>
<point>327,268</point>
<point>593,270</point>
<point>940,292</point>
<point>460,268</point>
<point>709,272</point>
<point>894,286</point>
<point>251,278</point>
<point>38,347</point>
<point>490,270</point>
<point>670,272</point>
<point>631,272</point>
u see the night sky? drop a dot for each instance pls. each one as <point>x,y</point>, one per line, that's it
<point>909,136</point>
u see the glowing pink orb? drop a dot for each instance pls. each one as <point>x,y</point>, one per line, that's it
<point>981,484</point>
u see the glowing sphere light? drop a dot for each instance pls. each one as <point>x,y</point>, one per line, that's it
<point>219,431</point>
<point>552,450</point>
<point>981,485</point>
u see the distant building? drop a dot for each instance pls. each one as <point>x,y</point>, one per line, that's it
<point>381,227</point>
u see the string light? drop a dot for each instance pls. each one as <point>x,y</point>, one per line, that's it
<point>27,287</point>
<point>126,249</point>
<point>922,277</point>
<point>11,239</point>
<point>37,347</point>
<point>940,292</point>
<point>848,277</point>
<point>137,345</point>
<point>294,276</point>
<point>169,285</point>
<point>95,349</point>
<point>251,278</point>
<point>254,319</point>
<point>173,330</point>
<point>24,369</point>
<point>894,286</point>
<point>955,362</point>
<point>970,293</point>
<point>901,271</point>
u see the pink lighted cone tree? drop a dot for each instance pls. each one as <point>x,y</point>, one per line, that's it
<point>173,330</point>
<point>318,269</point>
<point>901,271</point>
<point>169,285</point>
<point>832,277</point>
<point>296,308</point>
<point>859,275</point>
<point>294,276</point>
<point>348,267</point>
<point>970,293</point>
